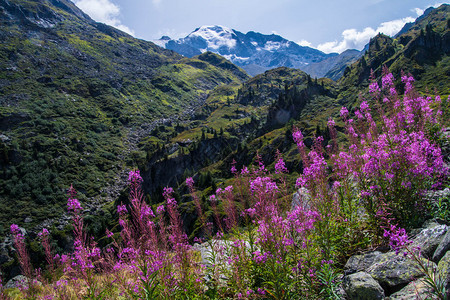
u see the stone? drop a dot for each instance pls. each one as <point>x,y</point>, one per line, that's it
<point>5,248</point>
<point>220,249</point>
<point>442,248</point>
<point>429,239</point>
<point>414,290</point>
<point>444,271</point>
<point>20,281</point>
<point>393,271</point>
<point>361,286</point>
<point>301,198</point>
<point>361,262</point>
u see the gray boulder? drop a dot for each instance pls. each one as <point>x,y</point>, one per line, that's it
<point>20,281</point>
<point>393,272</point>
<point>442,248</point>
<point>444,271</point>
<point>414,290</point>
<point>302,198</point>
<point>218,251</point>
<point>362,262</point>
<point>361,286</point>
<point>429,238</point>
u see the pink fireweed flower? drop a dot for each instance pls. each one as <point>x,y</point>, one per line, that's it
<point>233,167</point>
<point>398,238</point>
<point>263,184</point>
<point>331,122</point>
<point>297,136</point>
<point>212,198</point>
<point>190,182</point>
<point>134,176</point>
<point>122,210</point>
<point>251,212</point>
<point>244,171</point>
<point>300,182</point>
<point>43,233</point>
<point>387,81</point>
<point>160,209</point>
<point>336,185</point>
<point>73,205</point>
<point>344,112</point>
<point>146,211</point>
<point>22,252</point>
<point>280,167</point>
<point>260,258</point>
<point>374,88</point>
<point>15,229</point>
<point>229,189</point>
<point>364,107</point>
<point>167,192</point>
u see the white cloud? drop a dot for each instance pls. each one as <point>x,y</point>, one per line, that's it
<point>354,39</point>
<point>156,2</point>
<point>103,11</point>
<point>304,43</point>
<point>418,11</point>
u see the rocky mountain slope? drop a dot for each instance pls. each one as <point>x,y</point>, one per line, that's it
<point>76,96</point>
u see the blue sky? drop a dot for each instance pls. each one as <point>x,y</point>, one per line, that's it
<point>328,25</point>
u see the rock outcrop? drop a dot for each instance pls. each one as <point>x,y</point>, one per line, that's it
<point>399,275</point>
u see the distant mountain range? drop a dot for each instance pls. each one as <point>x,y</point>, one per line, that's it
<point>256,52</point>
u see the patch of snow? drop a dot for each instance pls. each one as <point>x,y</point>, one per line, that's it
<point>274,46</point>
<point>254,43</point>
<point>233,57</point>
<point>215,36</point>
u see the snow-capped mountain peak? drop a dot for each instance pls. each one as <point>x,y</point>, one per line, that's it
<point>253,51</point>
<point>216,36</point>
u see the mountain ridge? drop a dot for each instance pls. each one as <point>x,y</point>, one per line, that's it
<point>245,50</point>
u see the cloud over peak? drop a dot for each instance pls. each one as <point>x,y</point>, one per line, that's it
<point>103,11</point>
<point>354,39</point>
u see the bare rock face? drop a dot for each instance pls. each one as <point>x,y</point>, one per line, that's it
<point>362,286</point>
